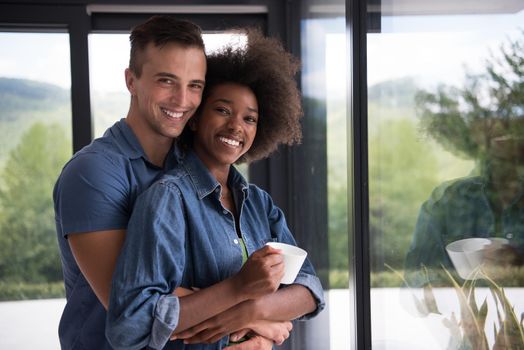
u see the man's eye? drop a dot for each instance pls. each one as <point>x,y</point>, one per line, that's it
<point>166,81</point>
<point>196,86</point>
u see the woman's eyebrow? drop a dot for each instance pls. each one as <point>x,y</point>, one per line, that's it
<point>229,102</point>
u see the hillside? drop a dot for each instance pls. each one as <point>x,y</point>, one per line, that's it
<point>24,102</point>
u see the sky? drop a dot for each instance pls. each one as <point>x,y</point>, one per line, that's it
<point>45,57</point>
<point>430,48</point>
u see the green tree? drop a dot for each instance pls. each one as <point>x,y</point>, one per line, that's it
<point>401,175</point>
<point>465,120</point>
<point>28,246</point>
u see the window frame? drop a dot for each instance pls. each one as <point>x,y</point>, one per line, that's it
<point>285,175</point>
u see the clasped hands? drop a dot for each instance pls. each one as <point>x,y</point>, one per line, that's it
<point>259,276</point>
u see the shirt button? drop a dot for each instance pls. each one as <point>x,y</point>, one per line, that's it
<point>509,235</point>
<point>225,212</point>
<point>235,241</point>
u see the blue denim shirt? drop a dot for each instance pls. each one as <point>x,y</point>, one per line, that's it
<point>180,235</point>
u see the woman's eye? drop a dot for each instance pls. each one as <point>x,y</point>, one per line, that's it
<point>222,110</point>
<point>252,120</point>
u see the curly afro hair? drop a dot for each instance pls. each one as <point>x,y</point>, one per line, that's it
<point>268,70</point>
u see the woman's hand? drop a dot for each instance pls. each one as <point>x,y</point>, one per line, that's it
<point>261,274</point>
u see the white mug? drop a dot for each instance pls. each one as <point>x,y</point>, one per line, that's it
<point>293,259</point>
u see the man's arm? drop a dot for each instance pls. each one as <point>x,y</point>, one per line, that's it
<point>90,199</point>
<point>96,254</point>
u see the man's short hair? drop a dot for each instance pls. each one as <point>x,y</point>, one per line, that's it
<point>161,30</point>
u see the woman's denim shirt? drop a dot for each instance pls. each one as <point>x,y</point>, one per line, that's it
<point>180,235</point>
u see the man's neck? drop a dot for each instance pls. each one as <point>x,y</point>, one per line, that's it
<point>155,146</point>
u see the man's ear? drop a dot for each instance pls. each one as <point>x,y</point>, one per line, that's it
<point>130,81</point>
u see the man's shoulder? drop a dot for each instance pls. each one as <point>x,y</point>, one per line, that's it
<point>99,164</point>
<point>101,152</point>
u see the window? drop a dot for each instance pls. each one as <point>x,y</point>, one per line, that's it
<point>322,176</point>
<point>35,124</point>
<point>445,109</point>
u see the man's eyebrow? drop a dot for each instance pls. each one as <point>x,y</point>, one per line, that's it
<point>229,102</point>
<point>175,77</point>
<point>198,81</point>
<point>167,75</point>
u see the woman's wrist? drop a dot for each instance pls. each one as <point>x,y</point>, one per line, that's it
<point>257,309</point>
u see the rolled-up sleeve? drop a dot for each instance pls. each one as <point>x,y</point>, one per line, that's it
<point>142,310</point>
<point>312,282</point>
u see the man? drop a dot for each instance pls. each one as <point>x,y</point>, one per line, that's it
<point>97,188</point>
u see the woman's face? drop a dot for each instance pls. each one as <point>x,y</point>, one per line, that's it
<point>226,126</point>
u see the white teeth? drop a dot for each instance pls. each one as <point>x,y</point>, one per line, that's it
<point>230,142</point>
<point>172,114</point>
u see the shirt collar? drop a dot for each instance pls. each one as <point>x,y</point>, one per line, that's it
<point>204,182</point>
<point>128,143</point>
<point>125,139</point>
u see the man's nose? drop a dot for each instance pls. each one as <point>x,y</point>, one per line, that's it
<point>179,95</point>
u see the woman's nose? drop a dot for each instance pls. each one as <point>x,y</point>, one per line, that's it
<point>234,122</point>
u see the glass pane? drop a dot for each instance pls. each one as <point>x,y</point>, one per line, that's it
<point>109,95</point>
<point>324,82</point>
<point>446,143</point>
<point>35,124</point>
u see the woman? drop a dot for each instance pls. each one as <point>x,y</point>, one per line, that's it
<point>197,226</point>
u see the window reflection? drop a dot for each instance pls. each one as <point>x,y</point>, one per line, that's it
<point>446,117</point>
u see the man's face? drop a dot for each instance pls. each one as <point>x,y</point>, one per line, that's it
<point>169,89</point>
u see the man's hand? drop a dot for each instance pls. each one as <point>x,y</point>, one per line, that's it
<point>261,274</point>
<point>276,331</point>
<point>256,342</point>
